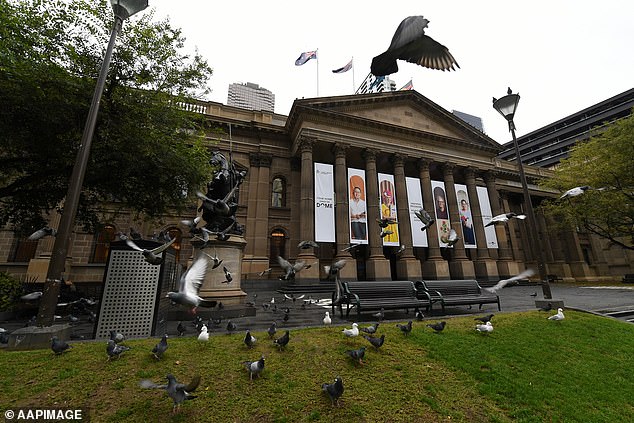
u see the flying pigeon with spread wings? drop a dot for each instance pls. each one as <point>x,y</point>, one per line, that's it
<point>190,283</point>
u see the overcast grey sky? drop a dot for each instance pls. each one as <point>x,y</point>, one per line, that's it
<point>560,55</point>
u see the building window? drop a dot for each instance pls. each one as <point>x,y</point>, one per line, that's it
<point>278,194</point>
<point>177,234</point>
<point>278,245</point>
<point>23,250</point>
<point>102,244</point>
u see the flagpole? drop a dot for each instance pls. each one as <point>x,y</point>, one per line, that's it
<point>353,85</point>
<point>317,54</point>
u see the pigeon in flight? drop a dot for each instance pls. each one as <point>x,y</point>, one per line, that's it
<point>376,342</point>
<point>505,217</point>
<point>558,316</point>
<point>115,350</point>
<point>327,320</point>
<point>485,319</point>
<point>249,340</point>
<point>190,284</point>
<point>135,235</point>
<point>371,328</point>
<point>228,275</point>
<point>304,245</point>
<point>292,297</point>
<point>486,328</point>
<point>406,329</point>
<point>290,269</point>
<point>58,346</point>
<point>216,261</point>
<point>438,327</point>
<point>451,239</point>
<point>41,233</point>
<point>203,336</point>
<point>334,390</point>
<point>282,341</point>
<point>116,336</point>
<point>351,333</point>
<point>334,268</point>
<point>385,233</point>
<point>350,247</point>
<point>411,44</point>
<point>254,367</point>
<point>357,355</point>
<point>385,222</point>
<point>178,392</point>
<point>574,192</point>
<point>181,329</point>
<point>525,274</point>
<point>151,256</point>
<point>160,348</point>
<point>425,218</point>
<point>32,296</point>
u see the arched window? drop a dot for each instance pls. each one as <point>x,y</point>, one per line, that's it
<point>23,250</point>
<point>103,239</point>
<point>278,192</point>
<point>278,246</point>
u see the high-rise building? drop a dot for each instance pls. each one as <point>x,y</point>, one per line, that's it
<point>376,84</point>
<point>472,120</point>
<point>250,96</point>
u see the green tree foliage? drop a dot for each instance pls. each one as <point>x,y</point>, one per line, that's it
<point>10,291</point>
<point>146,149</point>
<point>606,164</point>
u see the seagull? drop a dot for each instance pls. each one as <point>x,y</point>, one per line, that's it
<point>351,333</point>
<point>504,217</point>
<point>425,218</point>
<point>357,355</point>
<point>380,315</point>
<point>486,328</point>
<point>525,274</point>
<point>272,330</point>
<point>304,245</point>
<point>282,341</point>
<point>385,233</point>
<point>41,233</point>
<point>371,329</point>
<point>558,316</point>
<point>438,327</point>
<point>215,259</point>
<point>254,367</point>
<point>151,256</point>
<point>190,284</point>
<point>450,240</point>
<point>406,329</point>
<point>181,329</point>
<point>32,296</point>
<point>160,348</point>
<point>203,336</point>
<point>115,350</point>
<point>327,320</point>
<point>116,336</point>
<point>386,221</point>
<point>228,275</point>
<point>178,392</point>
<point>485,319</point>
<point>574,192</point>
<point>334,390</point>
<point>376,342</point>
<point>290,269</point>
<point>58,346</point>
<point>411,44</point>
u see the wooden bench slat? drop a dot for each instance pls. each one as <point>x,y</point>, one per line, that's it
<point>374,295</point>
<point>458,292</point>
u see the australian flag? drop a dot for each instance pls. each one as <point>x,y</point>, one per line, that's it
<point>305,57</point>
<point>344,69</point>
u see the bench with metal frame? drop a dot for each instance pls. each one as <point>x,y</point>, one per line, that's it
<point>457,292</point>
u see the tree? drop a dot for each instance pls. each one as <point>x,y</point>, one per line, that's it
<point>605,164</point>
<point>147,150</point>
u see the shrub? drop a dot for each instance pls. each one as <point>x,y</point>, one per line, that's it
<point>10,289</point>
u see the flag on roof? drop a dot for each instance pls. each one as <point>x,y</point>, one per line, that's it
<point>305,57</point>
<point>344,69</point>
<point>408,86</point>
<point>377,81</point>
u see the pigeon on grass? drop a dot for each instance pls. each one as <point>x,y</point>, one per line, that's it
<point>438,327</point>
<point>117,337</point>
<point>160,348</point>
<point>485,319</point>
<point>59,347</point>
<point>282,341</point>
<point>406,329</point>
<point>357,355</point>
<point>254,367</point>
<point>371,328</point>
<point>178,392</point>
<point>115,350</point>
<point>272,330</point>
<point>376,342</point>
<point>249,340</point>
<point>334,390</point>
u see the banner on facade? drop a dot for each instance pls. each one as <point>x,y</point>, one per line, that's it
<point>415,200</point>
<point>324,203</point>
<point>466,217</point>
<point>485,209</point>
<point>357,210</point>
<point>441,211</point>
<point>387,199</point>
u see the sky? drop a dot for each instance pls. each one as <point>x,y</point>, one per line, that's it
<point>561,56</point>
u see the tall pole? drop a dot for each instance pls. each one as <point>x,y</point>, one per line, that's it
<point>50,294</point>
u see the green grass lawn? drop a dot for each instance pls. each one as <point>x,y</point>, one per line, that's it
<point>528,369</point>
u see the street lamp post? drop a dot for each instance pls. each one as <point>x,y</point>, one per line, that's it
<point>506,106</point>
<point>122,9</point>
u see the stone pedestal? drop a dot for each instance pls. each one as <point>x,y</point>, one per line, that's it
<point>507,268</point>
<point>462,269</point>
<point>409,269</point>
<point>436,270</point>
<point>33,337</point>
<point>486,269</point>
<point>378,269</point>
<point>231,253</point>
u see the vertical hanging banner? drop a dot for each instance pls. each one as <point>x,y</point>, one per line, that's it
<point>466,217</point>
<point>415,199</point>
<point>357,210</point>
<point>441,211</point>
<point>487,215</point>
<point>387,198</point>
<point>324,203</point>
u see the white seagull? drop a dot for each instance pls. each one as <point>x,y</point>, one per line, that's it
<point>327,319</point>
<point>573,192</point>
<point>525,274</point>
<point>504,217</point>
<point>487,327</point>
<point>351,333</point>
<point>558,316</point>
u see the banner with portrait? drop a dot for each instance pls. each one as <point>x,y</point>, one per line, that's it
<point>324,203</point>
<point>487,215</point>
<point>466,218</point>
<point>441,211</point>
<point>357,210</point>
<point>387,200</point>
<point>415,199</point>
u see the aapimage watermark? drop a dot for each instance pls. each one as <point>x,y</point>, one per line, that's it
<point>46,415</point>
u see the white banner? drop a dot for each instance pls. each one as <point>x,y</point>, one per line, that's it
<point>485,208</point>
<point>324,203</point>
<point>415,199</point>
<point>357,211</point>
<point>387,199</point>
<point>441,211</point>
<point>466,218</point>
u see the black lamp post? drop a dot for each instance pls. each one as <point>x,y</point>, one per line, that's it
<point>122,9</point>
<point>506,106</point>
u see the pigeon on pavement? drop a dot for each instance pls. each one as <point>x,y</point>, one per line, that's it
<point>351,333</point>
<point>160,348</point>
<point>334,390</point>
<point>115,350</point>
<point>357,355</point>
<point>59,346</point>
<point>272,329</point>
<point>380,315</point>
<point>254,367</point>
<point>406,329</point>
<point>282,341</point>
<point>376,342</point>
<point>501,284</point>
<point>178,392</point>
<point>558,316</point>
<point>231,327</point>
<point>438,327</point>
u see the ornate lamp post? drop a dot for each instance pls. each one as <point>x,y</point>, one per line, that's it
<point>506,106</point>
<point>122,9</point>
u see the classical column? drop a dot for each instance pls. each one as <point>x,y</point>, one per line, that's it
<point>485,267</point>
<point>377,266</point>
<point>342,215</point>
<point>256,255</point>
<point>518,254</point>
<point>460,266</point>
<point>578,266</point>
<point>407,267</point>
<point>435,267</point>
<point>307,211</point>
<point>506,266</point>
<point>252,209</point>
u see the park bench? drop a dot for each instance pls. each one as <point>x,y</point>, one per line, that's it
<point>554,278</point>
<point>628,278</point>
<point>377,295</point>
<point>457,292</point>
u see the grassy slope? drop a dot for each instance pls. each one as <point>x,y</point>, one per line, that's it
<point>528,369</point>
